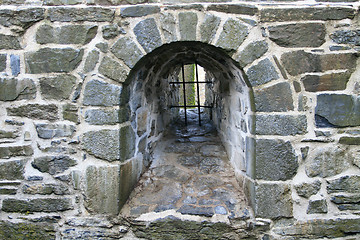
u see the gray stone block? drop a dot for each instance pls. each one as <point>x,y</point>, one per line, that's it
<point>209,27</point>
<point>15,64</point>
<point>252,52</point>
<point>232,35</point>
<point>11,231</point>
<point>53,164</point>
<point>98,93</point>
<point>194,210</point>
<point>275,160</point>
<point>59,87</point>
<point>139,11</point>
<point>16,89</point>
<point>9,42</point>
<point>350,140</point>
<point>283,125</point>
<point>234,9</point>
<point>24,18</point>
<point>344,184</point>
<point>168,26</point>
<point>107,117</point>
<point>91,60</point>
<point>61,2</point>
<point>91,14</point>
<point>45,188</point>
<point>262,73</point>
<point>3,62</point>
<point>37,205</point>
<point>299,62</point>
<point>111,31</point>
<point>187,26</point>
<point>113,69</point>
<point>35,111</point>
<point>307,189</point>
<point>49,131</point>
<point>317,206</point>
<point>70,113</point>
<point>12,170</point>
<point>326,82</point>
<point>15,151</point>
<point>126,50</point>
<point>147,34</point>
<point>351,37</point>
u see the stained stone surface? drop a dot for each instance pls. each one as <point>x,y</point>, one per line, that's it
<point>95,14</point>
<point>317,206</point>
<point>262,73</point>
<point>99,93</point>
<point>126,50</point>
<point>12,170</point>
<point>233,34</point>
<point>147,34</point>
<point>9,42</point>
<point>283,125</point>
<point>113,69</point>
<point>187,26</point>
<point>58,88</point>
<point>326,82</point>
<point>37,205</point>
<point>252,52</point>
<point>209,27</point>
<point>17,89</point>
<point>53,164</point>
<point>307,189</point>
<point>168,26</point>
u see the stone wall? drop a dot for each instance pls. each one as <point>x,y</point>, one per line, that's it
<point>84,99</point>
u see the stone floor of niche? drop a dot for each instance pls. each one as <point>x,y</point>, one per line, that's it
<point>190,175</point>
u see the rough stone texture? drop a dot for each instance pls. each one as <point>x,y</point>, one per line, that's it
<point>232,35</point>
<point>107,117</point>
<point>15,151</point>
<point>305,13</point>
<point>317,206</point>
<point>262,73</point>
<point>53,164</point>
<point>147,34</point>
<point>275,160</point>
<point>200,211</point>
<point>347,201</point>
<point>100,181</point>
<point>307,189</point>
<point>57,88</point>
<point>16,89</point>
<point>252,52</point>
<point>234,9</point>
<point>326,82</point>
<point>350,140</point>
<point>35,111</point>
<point>49,131</point>
<point>12,170</point>
<point>2,62</point>
<point>37,205</point>
<point>344,184</point>
<point>278,196</point>
<point>209,27</point>
<point>298,34</point>
<point>339,109</point>
<point>70,113</point>
<point>277,98</point>
<point>61,2</point>
<point>91,14</point>
<point>46,189</point>
<point>337,61</point>
<point>15,64</point>
<point>168,26</point>
<point>26,230</point>
<point>69,34</point>
<point>23,18</point>
<point>98,93</point>
<point>187,25</point>
<point>91,61</point>
<point>139,11</point>
<point>113,69</point>
<point>127,143</point>
<point>126,50</point>
<point>9,42</point>
<point>283,125</point>
<point>47,60</point>
<point>346,37</point>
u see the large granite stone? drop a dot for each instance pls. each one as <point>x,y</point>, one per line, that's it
<point>139,11</point>
<point>53,164</point>
<point>209,27</point>
<point>49,131</point>
<point>346,37</point>
<point>277,98</point>
<point>12,170</point>
<point>68,34</point>
<point>17,89</point>
<point>147,34</point>
<point>127,50</point>
<point>23,18</point>
<point>283,125</point>
<point>37,205</point>
<point>47,60</point>
<point>91,60</point>
<point>252,52</point>
<point>26,230</point>
<point>326,82</point>
<point>107,117</point>
<point>168,26</point>
<point>344,184</point>
<point>187,26</point>
<point>275,160</point>
<point>99,93</point>
<point>35,111</point>
<point>113,69</point>
<point>234,9</point>
<point>9,42</point>
<point>339,110</point>
<point>58,87</point>
<point>233,35</point>
<point>278,196</point>
<point>298,34</point>
<point>262,73</point>
<point>91,14</point>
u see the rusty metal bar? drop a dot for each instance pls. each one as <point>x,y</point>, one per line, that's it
<point>184,91</point>
<point>198,91</point>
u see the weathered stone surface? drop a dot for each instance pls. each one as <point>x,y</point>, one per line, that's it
<point>58,87</point>
<point>283,125</point>
<point>47,60</point>
<point>49,131</point>
<point>91,14</point>
<point>9,134</point>
<point>61,2</point>
<point>103,144</point>
<point>12,170</point>
<point>24,18</point>
<point>307,189</point>
<point>126,50</point>
<point>277,98</point>
<point>91,61</point>
<point>262,73</point>
<point>193,210</point>
<point>305,13</point>
<point>88,222</point>
<point>139,11</point>
<point>15,64</point>
<point>232,35</point>
<point>147,34</point>
<point>339,48</point>
<point>113,69</point>
<point>339,109</point>
<point>252,52</point>
<point>350,140</point>
<point>111,31</point>
<point>98,93</point>
<point>35,111</point>
<point>69,34</point>
<point>337,61</point>
<point>2,62</point>
<point>103,47</point>
<point>347,201</point>
<point>107,117</point>
<point>127,143</point>
<point>317,206</point>
<point>53,164</point>
<point>70,113</point>
<point>16,89</point>
<point>168,26</point>
<point>209,27</point>
<point>37,205</point>
<point>100,181</point>
<point>346,37</point>
<point>9,42</point>
<point>46,188</point>
<point>234,9</point>
<point>298,34</point>
<point>26,230</point>
<point>345,184</point>
<point>278,196</point>
<point>275,160</point>
<point>15,151</point>
<point>327,82</point>
<point>187,25</point>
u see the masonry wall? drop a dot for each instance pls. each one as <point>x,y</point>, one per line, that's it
<point>80,112</point>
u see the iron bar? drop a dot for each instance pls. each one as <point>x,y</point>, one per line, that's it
<point>187,82</point>
<point>184,91</point>
<point>190,106</point>
<point>198,91</point>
